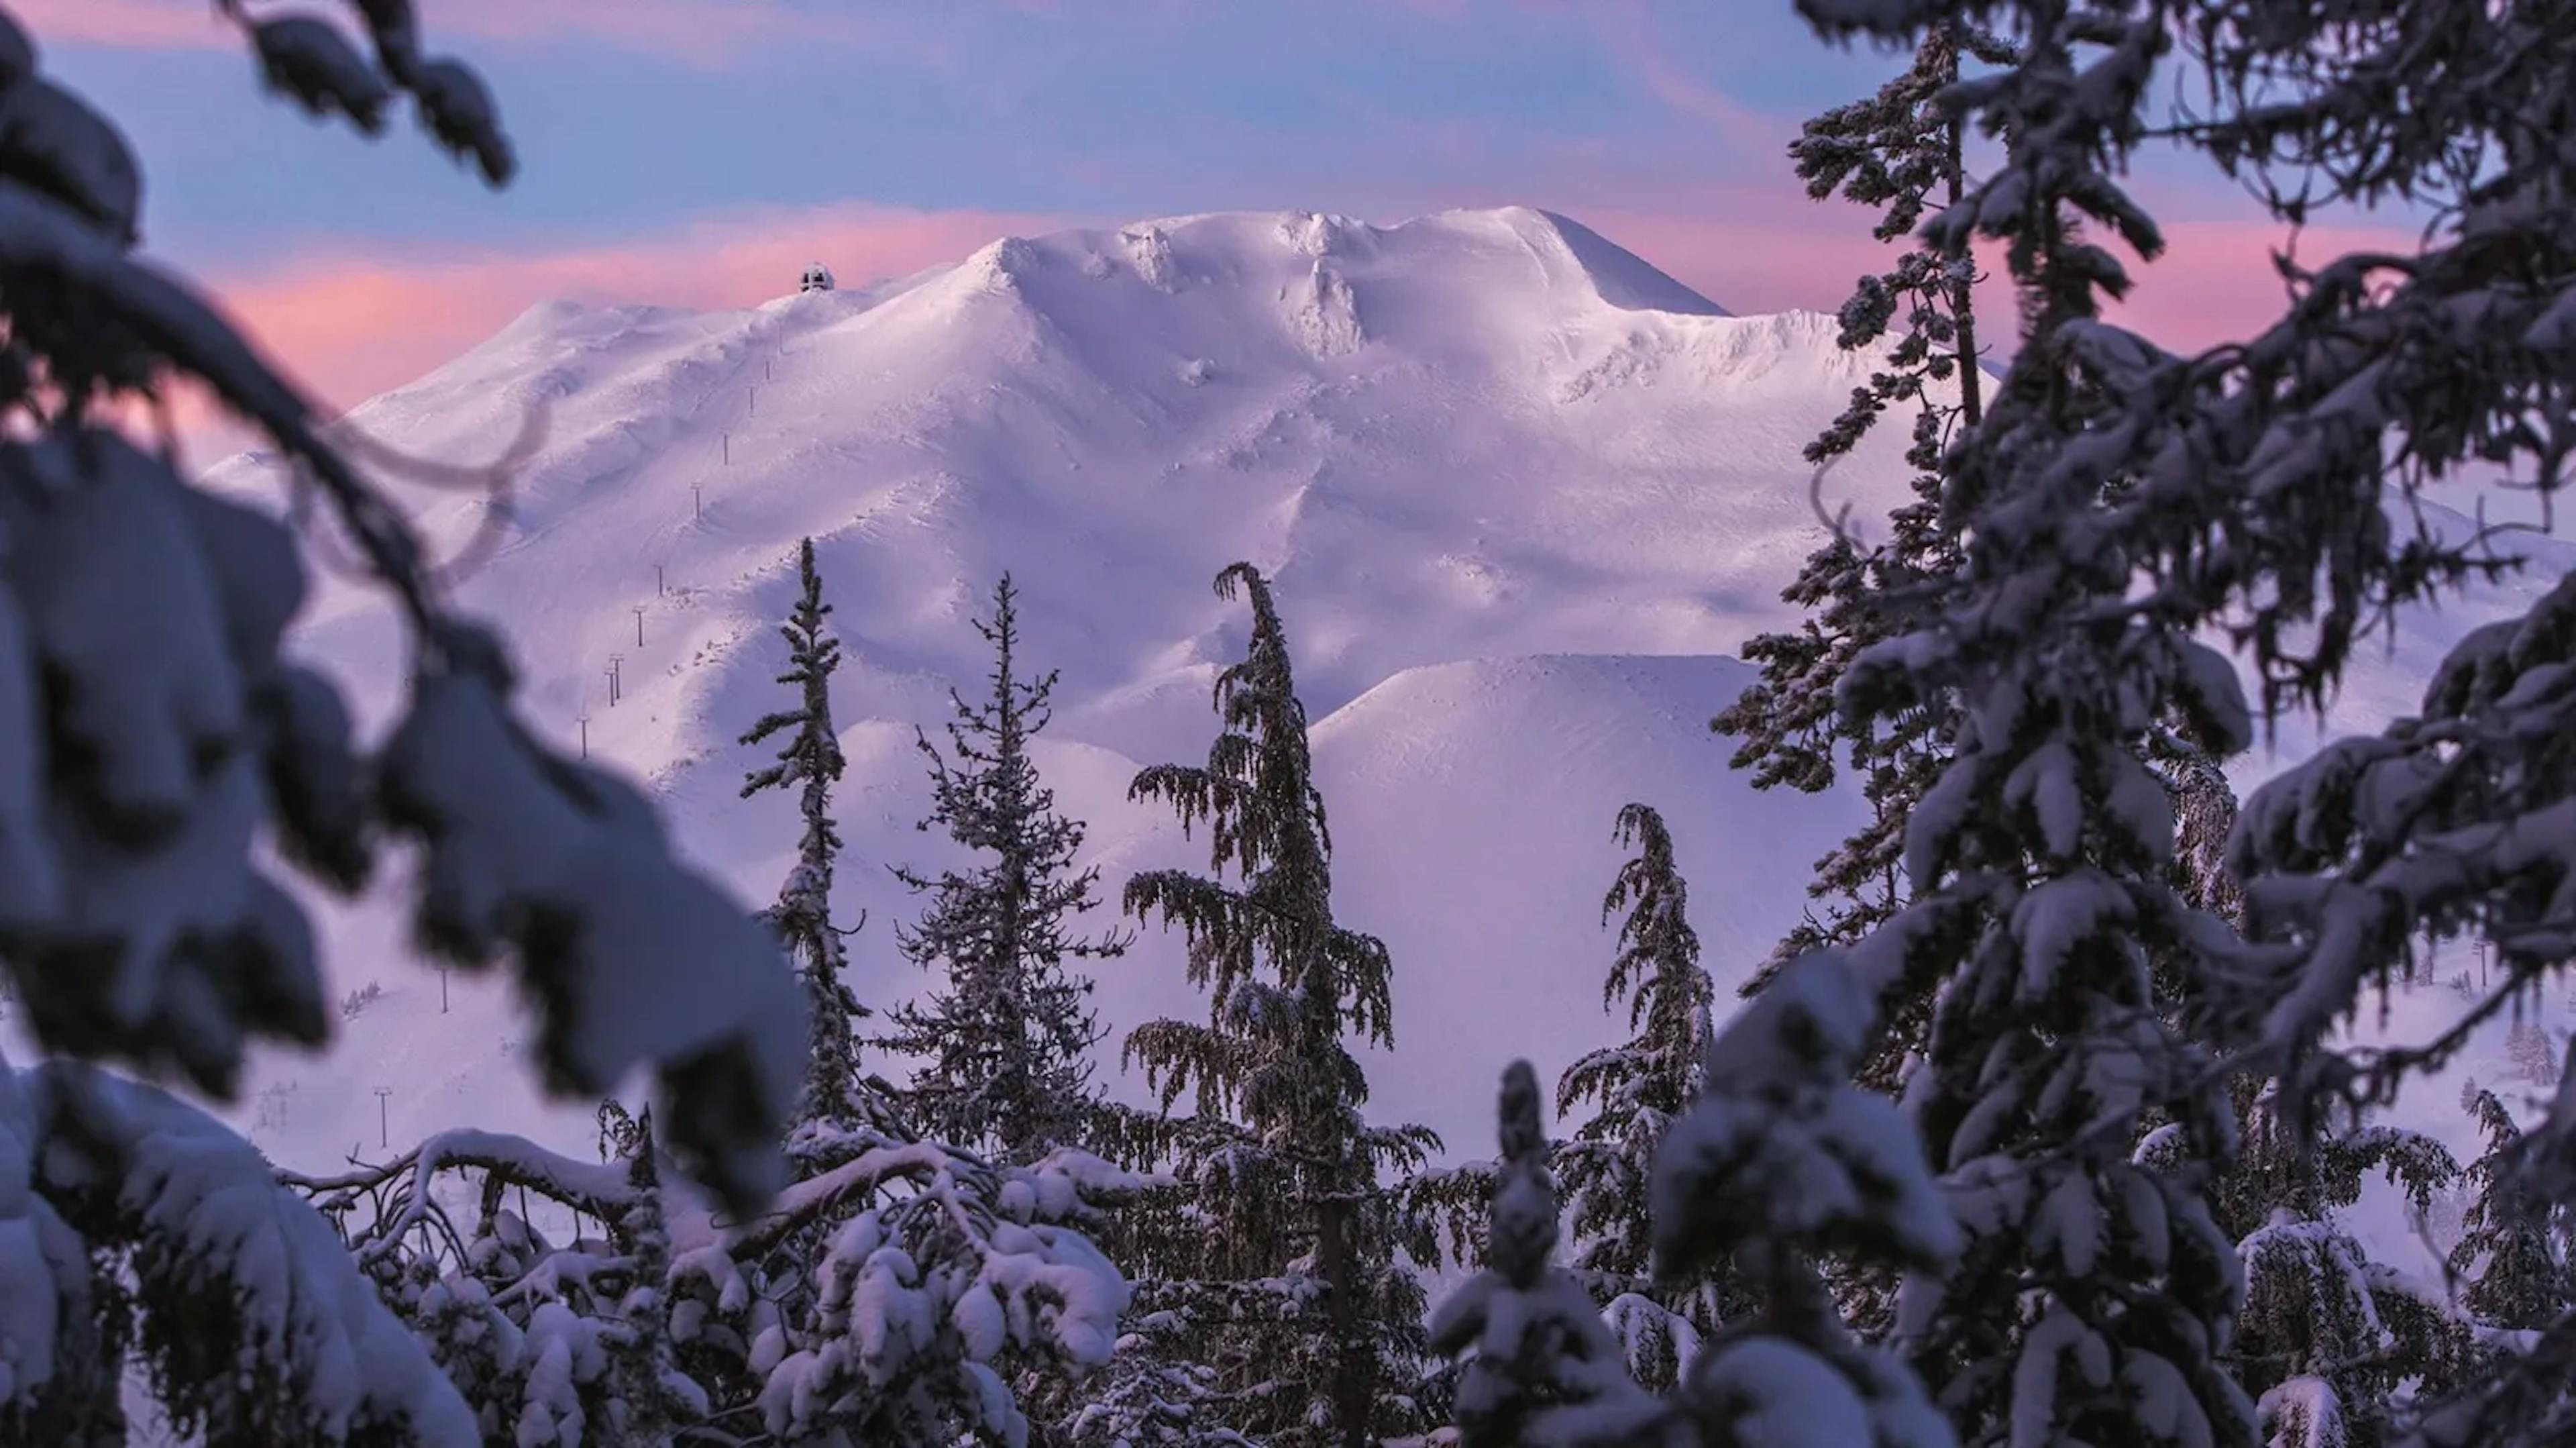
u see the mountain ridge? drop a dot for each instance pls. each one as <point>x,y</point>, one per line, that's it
<point>1518,520</point>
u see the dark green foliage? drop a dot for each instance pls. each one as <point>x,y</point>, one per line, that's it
<point>1005,1042</point>
<point>1635,1091</point>
<point>1898,152</point>
<point>2039,912</point>
<point>2327,1337</point>
<point>1537,1341</point>
<point>2514,1252</point>
<point>810,763</point>
<point>1286,1256</point>
<point>1901,152</point>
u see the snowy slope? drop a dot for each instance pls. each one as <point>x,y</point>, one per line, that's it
<point>1519,492</point>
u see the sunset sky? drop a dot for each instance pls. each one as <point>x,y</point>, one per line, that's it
<point>697,152</point>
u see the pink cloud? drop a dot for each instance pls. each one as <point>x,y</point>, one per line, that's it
<point>144,24</point>
<point>2215,282</point>
<point>1761,248</point>
<point>701,31</point>
<point>350,326</point>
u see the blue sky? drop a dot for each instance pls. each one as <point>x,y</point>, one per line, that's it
<point>677,150</point>
<point>1136,107</point>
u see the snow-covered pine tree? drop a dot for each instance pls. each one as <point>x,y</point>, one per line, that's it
<point>1780,1160</point>
<point>1285,1252</point>
<point>1901,153</point>
<point>586,1301</point>
<point>834,1095</point>
<point>135,1228</point>
<point>1904,153</point>
<point>2451,821</point>
<point>887,1296</point>
<point>881,1298</point>
<point>2271,483</point>
<point>154,743</point>
<point>2514,1252</point>
<point>1532,1340</point>
<point>2331,1345</point>
<point>1006,1041</point>
<point>2094,1298</point>
<point>901,1279</point>
<point>1155,1393</point>
<point>1636,1089</point>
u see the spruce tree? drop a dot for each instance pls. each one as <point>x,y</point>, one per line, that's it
<point>1289,1257</point>
<point>2093,1299</point>
<point>1006,1041</point>
<point>1636,1090</point>
<point>2330,1344</point>
<point>2514,1251</point>
<point>810,762</point>
<point>889,1296</point>
<point>1779,1160</point>
<point>1537,1342</point>
<point>1902,153</point>
<point>2268,484</point>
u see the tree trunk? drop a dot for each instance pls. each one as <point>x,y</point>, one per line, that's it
<point>1963,308</point>
<point>1354,1392</point>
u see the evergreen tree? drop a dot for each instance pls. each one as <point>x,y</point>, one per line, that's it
<point>2514,1251</point>
<point>1637,1089</point>
<point>1904,153</point>
<point>810,763</point>
<point>1537,1341</point>
<point>2330,1344</point>
<point>2269,484</point>
<point>1006,1041</point>
<point>1288,1258</point>
<point>2093,1299</point>
<point>891,1295</point>
<point>1155,1393</point>
<point>1781,1159</point>
<point>879,1301</point>
<point>1901,152</point>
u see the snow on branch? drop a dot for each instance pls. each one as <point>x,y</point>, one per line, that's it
<point>258,1325</point>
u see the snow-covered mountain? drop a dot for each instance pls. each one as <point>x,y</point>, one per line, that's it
<point>1520,492</point>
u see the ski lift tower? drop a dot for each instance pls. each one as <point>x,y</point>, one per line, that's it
<point>817,278</point>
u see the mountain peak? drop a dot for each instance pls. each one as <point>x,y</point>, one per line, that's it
<point>1619,276</point>
<point>1530,261</point>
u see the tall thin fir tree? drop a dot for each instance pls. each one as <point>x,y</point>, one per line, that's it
<point>2094,1298</point>
<point>1900,152</point>
<point>833,1097</point>
<point>1292,1268</point>
<point>2513,1253</point>
<point>1006,1042</point>
<point>1903,152</point>
<point>1636,1090</point>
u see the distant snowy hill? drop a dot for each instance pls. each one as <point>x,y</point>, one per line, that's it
<point>1521,494</point>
